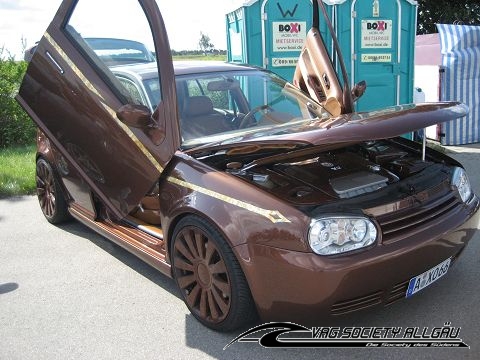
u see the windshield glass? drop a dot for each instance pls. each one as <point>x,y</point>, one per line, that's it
<point>120,51</point>
<point>219,106</point>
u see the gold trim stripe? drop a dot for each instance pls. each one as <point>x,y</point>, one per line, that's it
<point>112,112</point>
<point>273,215</point>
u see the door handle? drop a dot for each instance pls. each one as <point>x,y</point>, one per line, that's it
<point>57,65</point>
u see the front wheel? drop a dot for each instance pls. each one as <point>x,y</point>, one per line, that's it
<point>50,195</point>
<point>209,276</point>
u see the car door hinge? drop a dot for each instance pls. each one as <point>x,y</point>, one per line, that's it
<point>265,61</point>
<point>354,56</point>
<point>354,14</point>
<point>264,16</point>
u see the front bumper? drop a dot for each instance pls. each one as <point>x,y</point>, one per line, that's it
<point>295,286</point>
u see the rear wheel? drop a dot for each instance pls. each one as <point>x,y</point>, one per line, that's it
<point>50,195</point>
<point>209,276</point>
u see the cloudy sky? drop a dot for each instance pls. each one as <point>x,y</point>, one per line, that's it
<point>28,19</point>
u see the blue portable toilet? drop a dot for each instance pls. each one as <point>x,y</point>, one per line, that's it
<point>269,34</point>
<point>377,40</point>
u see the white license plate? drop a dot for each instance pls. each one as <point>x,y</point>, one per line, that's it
<point>428,277</point>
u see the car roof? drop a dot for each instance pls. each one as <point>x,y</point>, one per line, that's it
<point>149,70</point>
<point>193,67</point>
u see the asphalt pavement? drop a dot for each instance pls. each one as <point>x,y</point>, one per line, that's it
<point>68,293</point>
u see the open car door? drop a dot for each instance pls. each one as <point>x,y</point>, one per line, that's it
<point>315,72</point>
<point>98,123</point>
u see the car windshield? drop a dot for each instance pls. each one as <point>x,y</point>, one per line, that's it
<point>218,106</point>
<point>120,51</point>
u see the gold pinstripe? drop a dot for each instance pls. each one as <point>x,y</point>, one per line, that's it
<point>273,215</point>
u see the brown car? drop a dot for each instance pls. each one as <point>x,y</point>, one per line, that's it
<point>255,195</point>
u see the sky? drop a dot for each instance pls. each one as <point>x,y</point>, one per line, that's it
<point>28,20</point>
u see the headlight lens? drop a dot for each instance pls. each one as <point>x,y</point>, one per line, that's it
<point>461,182</point>
<point>335,235</point>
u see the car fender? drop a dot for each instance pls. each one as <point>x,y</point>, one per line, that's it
<point>241,211</point>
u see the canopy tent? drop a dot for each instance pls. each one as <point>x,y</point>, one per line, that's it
<point>460,49</point>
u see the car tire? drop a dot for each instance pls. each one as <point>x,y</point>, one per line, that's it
<point>50,195</point>
<point>210,279</point>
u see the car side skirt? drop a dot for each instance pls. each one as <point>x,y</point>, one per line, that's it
<point>126,237</point>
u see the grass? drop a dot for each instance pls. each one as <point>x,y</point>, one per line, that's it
<point>17,171</point>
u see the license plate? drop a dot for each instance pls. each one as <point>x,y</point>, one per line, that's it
<point>428,277</point>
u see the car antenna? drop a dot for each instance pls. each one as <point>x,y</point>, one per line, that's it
<point>347,93</point>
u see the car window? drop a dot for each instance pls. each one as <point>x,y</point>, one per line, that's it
<point>111,33</point>
<point>152,88</point>
<point>200,86</point>
<point>221,105</point>
<point>133,90</point>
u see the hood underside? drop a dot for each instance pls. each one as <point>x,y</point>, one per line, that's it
<point>350,128</point>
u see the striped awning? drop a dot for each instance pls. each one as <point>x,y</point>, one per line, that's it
<point>460,47</point>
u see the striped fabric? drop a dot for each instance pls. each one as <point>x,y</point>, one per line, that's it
<point>460,47</point>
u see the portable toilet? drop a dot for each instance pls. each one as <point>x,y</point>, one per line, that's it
<point>269,34</point>
<point>377,40</point>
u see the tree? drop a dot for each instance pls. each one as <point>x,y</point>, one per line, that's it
<point>204,43</point>
<point>432,12</point>
<point>16,128</point>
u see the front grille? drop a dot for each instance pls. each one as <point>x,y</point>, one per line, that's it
<point>398,292</point>
<point>387,297</point>
<point>399,223</point>
<point>347,306</point>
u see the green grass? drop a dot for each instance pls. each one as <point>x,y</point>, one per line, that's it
<point>17,171</point>
<point>200,57</point>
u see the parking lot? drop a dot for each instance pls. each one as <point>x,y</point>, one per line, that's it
<point>68,293</point>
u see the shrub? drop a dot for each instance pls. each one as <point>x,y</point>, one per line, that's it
<point>16,127</point>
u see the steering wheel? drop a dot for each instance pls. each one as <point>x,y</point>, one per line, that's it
<point>248,117</point>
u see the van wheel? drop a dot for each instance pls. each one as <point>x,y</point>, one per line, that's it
<point>50,195</point>
<point>209,276</point>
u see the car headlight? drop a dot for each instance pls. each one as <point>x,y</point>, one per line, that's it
<point>335,235</point>
<point>461,182</point>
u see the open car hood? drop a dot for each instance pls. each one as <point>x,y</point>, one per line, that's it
<point>349,128</point>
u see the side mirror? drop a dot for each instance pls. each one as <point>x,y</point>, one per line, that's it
<point>359,89</point>
<point>137,116</point>
<point>140,116</point>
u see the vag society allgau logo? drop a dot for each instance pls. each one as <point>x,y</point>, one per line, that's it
<point>270,335</point>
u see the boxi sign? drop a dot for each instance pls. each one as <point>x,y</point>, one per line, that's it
<point>376,34</point>
<point>288,36</point>
<point>378,25</point>
<point>290,28</point>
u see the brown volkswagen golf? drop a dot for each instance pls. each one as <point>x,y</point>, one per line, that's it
<point>257,196</point>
